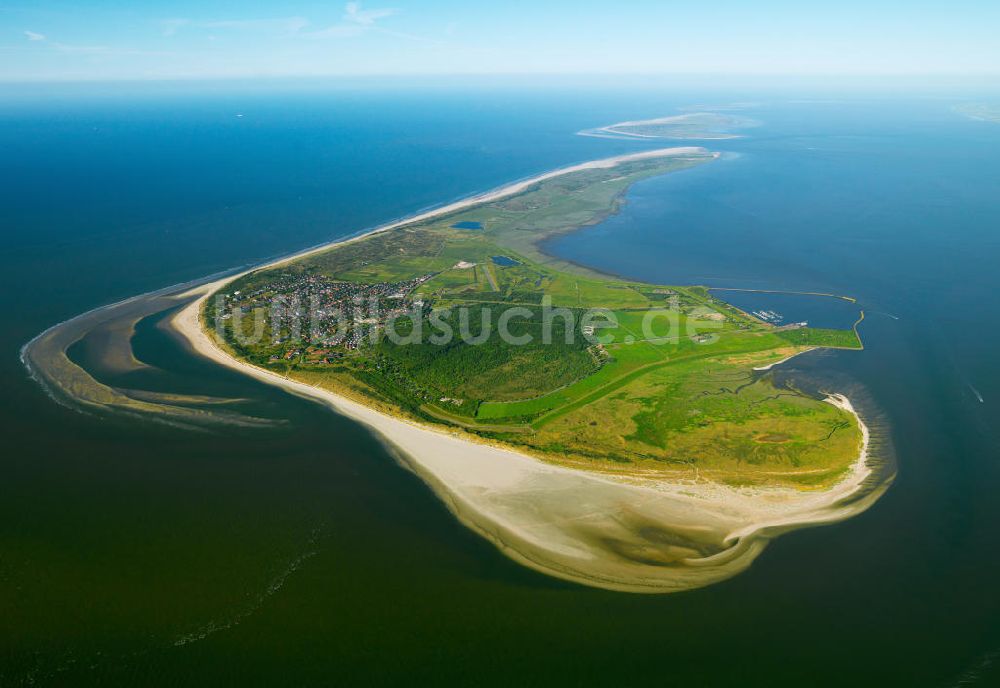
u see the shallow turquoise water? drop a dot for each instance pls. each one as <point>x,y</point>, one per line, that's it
<point>298,552</point>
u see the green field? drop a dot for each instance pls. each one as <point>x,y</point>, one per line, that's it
<point>605,374</point>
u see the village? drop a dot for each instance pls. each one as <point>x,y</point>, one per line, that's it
<point>320,317</point>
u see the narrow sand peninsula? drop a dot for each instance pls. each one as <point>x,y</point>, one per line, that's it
<point>620,130</point>
<point>502,192</point>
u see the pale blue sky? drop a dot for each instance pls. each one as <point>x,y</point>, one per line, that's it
<point>152,39</point>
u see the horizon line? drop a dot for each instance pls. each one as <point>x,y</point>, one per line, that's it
<point>189,78</point>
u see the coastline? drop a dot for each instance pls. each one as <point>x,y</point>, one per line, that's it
<point>614,131</point>
<point>487,197</point>
<point>625,533</point>
<point>761,369</point>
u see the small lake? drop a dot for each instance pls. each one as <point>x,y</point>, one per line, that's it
<point>467,224</point>
<point>504,261</point>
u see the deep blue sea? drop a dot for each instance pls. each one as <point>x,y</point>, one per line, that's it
<point>300,553</point>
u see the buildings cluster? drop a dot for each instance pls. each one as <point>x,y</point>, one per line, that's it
<point>318,312</point>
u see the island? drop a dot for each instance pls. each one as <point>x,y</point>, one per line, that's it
<point>623,435</point>
<point>708,125</point>
<point>611,432</point>
<point>979,111</point>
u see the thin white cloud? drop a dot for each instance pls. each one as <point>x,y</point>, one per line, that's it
<point>70,49</point>
<point>281,25</point>
<point>107,51</point>
<point>172,26</point>
<point>286,25</point>
<point>96,50</point>
<point>355,22</point>
<point>336,31</point>
<point>407,36</point>
<point>353,13</point>
<point>88,49</point>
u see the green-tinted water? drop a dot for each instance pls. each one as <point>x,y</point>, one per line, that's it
<point>299,553</point>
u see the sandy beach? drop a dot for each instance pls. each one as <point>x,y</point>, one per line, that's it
<point>762,368</point>
<point>617,130</point>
